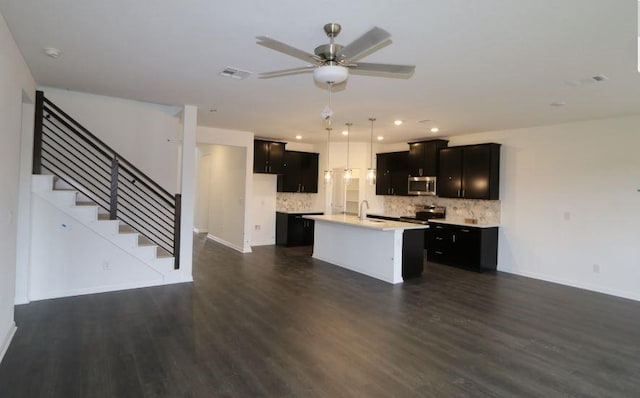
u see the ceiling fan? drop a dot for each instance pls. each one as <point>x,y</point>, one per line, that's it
<point>332,62</point>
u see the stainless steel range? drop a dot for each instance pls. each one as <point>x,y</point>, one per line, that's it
<point>424,214</point>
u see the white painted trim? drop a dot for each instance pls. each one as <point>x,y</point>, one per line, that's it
<point>110,288</point>
<point>263,243</point>
<point>229,244</point>
<point>568,282</point>
<point>7,340</point>
<point>200,231</point>
<point>21,300</point>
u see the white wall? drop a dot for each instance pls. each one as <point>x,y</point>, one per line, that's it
<point>235,163</point>
<point>145,134</point>
<point>15,79</point>
<point>571,203</point>
<point>68,258</point>
<point>263,204</point>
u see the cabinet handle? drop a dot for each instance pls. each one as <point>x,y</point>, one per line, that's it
<point>439,227</point>
<point>437,252</point>
<point>463,193</point>
<point>392,191</point>
<point>454,238</point>
<point>420,171</point>
<point>438,238</point>
<point>303,188</point>
<point>458,192</point>
<point>464,230</point>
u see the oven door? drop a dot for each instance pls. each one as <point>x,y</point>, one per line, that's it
<point>421,186</point>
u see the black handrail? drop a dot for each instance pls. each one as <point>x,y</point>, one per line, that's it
<point>71,152</point>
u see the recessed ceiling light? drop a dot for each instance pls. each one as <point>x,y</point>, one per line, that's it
<point>345,132</point>
<point>434,129</point>
<point>298,137</point>
<point>52,52</point>
<point>558,103</point>
<point>397,122</point>
<point>380,138</point>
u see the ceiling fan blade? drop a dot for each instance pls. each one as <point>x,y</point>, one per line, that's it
<point>363,44</point>
<point>387,70</point>
<point>287,49</point>
<point>286,72</point>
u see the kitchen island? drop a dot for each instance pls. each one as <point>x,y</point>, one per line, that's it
<point>387,250</point>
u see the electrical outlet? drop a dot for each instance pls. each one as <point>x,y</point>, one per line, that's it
<point>596,268</point>
<point>257,227</point>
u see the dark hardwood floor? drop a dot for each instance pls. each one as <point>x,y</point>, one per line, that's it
<point>276,323</point>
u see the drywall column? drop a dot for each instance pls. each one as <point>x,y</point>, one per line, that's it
<point>23,262</point>
<point>188,186</point>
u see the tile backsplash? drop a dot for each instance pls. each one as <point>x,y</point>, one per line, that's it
<point>295,201</point>
<point>485,211</point>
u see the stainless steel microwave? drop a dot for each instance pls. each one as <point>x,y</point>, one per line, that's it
<point>422,186</point>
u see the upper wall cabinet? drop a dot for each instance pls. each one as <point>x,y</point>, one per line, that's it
<point>392,172</point>
<point>470,172</point>
<point>423,157</point>
<point>300,172</point>
<point>268,157</point>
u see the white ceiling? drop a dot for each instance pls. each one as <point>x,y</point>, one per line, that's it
<point>480,64</point>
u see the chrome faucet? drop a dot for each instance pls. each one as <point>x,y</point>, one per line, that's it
<point>363,212</point>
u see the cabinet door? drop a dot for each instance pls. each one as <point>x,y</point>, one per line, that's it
<point>276,157</point>
<point>260,156</point>
<point>466,247</point>
<point>309,172</point>
<point>296,230</point>
<point>449,183</point>
<point>308,232</point>
<point>481,171</point>
<point>383,174</point>
<point>289,180</point>
<point>416,159</point>
<point>399,173</point>
<point>476,163</point>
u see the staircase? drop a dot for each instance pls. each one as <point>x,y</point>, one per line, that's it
<point>68,200</point>
<point>99,223</point>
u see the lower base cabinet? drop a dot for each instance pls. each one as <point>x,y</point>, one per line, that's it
<point>463,246</point>
<point>293,229</point>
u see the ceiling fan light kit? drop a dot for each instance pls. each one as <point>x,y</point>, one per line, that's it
<point>330,74</point>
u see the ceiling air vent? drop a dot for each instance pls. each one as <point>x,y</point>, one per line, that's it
<point>235,73</point>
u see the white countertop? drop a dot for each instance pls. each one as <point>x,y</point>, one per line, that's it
<point>299,212</point>
<point>380,225</point>
<point>461,223</point>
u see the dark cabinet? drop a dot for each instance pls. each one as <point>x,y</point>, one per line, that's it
<point>293,229</point>
<point>470,172</point>
<point>268,157</point>
<point>392,172</point>
<point>300,172</point>
<point>469,247</point>
<point>423,157</point>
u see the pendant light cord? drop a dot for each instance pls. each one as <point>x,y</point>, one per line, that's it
<point>372,119</point>
<point>348,134</point>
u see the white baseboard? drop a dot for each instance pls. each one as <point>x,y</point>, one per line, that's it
<point>229,244</point>
<point>200,231</point>
<point>98,289</point>
<point>7,340</point>
<point>568,282</point>
<point>264,243</point>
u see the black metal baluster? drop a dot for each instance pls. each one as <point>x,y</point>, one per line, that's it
<point>113,211</point>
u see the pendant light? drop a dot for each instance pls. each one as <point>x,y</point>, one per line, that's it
<point>327,172</point>
<point>371,172</point>
<point>348,173</point>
